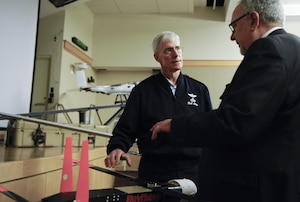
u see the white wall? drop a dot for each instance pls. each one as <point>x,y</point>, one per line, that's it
<point>18,20</point>
<point>125,40</point>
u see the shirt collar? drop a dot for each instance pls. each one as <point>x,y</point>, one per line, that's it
<point>172,86</point>
<point>270,31</point>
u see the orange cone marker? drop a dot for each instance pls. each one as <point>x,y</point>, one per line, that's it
<point>66,184</point>
<point>82,194</point>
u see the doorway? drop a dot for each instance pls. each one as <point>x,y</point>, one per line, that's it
<point>41,90</point>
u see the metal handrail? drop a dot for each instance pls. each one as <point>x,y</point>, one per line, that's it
<point>81,112</point>
<point>57,106</point>
<point>97,112</point>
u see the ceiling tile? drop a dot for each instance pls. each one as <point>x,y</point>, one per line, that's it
<point>137,6</point>
<point>106,6</point>
<point>176,6</point>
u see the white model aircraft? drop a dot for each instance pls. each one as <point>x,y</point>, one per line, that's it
<point>118,89</point>
<point>123,88</point>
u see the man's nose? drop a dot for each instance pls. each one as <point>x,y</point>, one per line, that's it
<point>232,37</point>
<point>176,51</point>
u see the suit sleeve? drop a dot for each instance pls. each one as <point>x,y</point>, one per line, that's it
<point>249,104</point>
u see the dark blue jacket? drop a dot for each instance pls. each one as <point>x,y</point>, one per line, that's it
<point>152,101</point>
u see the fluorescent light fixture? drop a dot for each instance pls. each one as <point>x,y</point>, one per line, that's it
<point>292,9</point>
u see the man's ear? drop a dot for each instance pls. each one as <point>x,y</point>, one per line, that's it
<point>156,57</point>
<point>254,16</point>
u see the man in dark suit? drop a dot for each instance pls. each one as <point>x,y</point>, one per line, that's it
<point>252,141</point>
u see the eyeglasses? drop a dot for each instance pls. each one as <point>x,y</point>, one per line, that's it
<point>234,23</point>
<point>169,51</point>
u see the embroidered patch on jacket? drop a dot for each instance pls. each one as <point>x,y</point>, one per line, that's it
<point>192,100</point>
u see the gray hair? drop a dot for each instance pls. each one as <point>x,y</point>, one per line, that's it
<point>270,11</point>
<point>163,36</point>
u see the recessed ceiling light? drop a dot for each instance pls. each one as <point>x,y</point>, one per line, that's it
<point>60,3</point>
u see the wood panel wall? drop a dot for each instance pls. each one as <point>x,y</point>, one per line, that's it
<point>38,178</point>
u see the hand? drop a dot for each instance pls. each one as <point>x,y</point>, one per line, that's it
<point>162,126</point>
<point>113,159</point>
